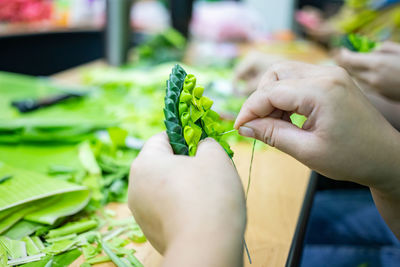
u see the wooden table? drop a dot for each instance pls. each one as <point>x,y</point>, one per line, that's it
<point>276,194</point>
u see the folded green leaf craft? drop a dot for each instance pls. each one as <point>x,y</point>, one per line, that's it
<point>188,114</point>
<point>358,43</point>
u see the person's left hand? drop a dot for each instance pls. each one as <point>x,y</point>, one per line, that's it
<point>378,70</point>
<point>194,201</point>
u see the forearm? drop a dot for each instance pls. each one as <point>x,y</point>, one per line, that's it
<point>213,249</point>
<point>387,198</point>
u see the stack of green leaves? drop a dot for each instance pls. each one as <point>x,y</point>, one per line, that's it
<point>358,43</point>
<point>188,114</point>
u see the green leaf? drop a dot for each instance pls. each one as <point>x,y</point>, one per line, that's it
<point>88,159</point>
<point>41,263</point>
<point>23,210</point>
<point>99,259</point>
<point>298,119</point>
<point>27,259</point>
<point>31,247</point>
<point>66,204</point>
<point>90,251</point>
<point>118,136</point>
<point>73,228</point>
<point>28,186</point>
<point>112,255</point>
<point>171,111</point>
<point>15,249</point>
<point>21,229</point>
<point>193,113</point>
<point>38,242</point>
<point>60,246</point>
<point>3,256</point>
<point>61,238</point>
<point>358,43</point>
<point>5,178</point>
<point>134,261</point>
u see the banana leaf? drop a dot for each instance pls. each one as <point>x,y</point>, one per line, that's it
<point>21,229</point>
<point>63,205</point>
<point>14,248</point>
<point>33,196</point>
<point>18,215</point>
<point>62,260</point>
<point>50,156</point>
<point>68,122</point>
<point>3,256</point>
<point>26,186</point>
<point>31,247</point>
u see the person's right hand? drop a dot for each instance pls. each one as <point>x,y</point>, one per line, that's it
<point>344,138</point>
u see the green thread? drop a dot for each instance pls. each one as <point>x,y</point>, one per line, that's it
<point>250,168</point>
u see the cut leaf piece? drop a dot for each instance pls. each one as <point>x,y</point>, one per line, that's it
<point>19,261</point>
<point>88,159</point>
<point>15,249</point>
<point>73,228</point>
<point>60,247</point>
<point>21,229</point>
<point>31,247</point>
<point>67,204</point>
<point>28,186</point>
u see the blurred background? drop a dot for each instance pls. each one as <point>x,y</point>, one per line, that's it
<point>35,33</point>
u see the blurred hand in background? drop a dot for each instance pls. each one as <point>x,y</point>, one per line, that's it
<point>252,67</point>
<point>378,71</point>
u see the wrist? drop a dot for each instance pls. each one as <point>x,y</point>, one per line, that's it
<point>210,242</point>
<point>210,247</point>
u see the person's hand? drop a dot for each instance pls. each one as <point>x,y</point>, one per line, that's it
<point>190,208</point>
<point>344,137</point>
<point>378,70</point>
<point>252,67</point>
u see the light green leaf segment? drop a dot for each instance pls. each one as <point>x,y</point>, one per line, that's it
<point>30,196</point>
<point>188,114</point>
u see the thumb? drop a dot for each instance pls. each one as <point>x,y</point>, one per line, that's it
<point>277,133</point>
<point>157,144</point>
<point>210,148</point>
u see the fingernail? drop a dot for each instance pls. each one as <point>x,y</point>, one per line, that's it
<point>246,131</point>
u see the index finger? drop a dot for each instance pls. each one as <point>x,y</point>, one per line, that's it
<point>286,95</point>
